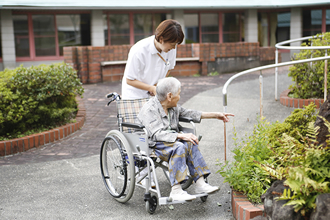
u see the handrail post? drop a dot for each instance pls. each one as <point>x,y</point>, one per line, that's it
<point>325,76</point>
<point>276,72</point>
<point>224,129</point>
<point>261,93</point>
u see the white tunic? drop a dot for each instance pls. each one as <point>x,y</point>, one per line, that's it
<point>143,64</point>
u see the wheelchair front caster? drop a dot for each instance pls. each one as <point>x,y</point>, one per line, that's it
<point>151,204</point>
<point>204,198</point>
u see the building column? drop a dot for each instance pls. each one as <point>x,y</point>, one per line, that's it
<point>7,40</point>
<point>251,25</point>
<point>97,32</point>
<point>178,16</point>
<point>296,26</point>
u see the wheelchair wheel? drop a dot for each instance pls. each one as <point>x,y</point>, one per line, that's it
<point>151,204</point>
<point>117,166</point>
<point>185,185</point>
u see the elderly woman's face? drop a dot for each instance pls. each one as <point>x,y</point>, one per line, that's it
<point>175,99</point>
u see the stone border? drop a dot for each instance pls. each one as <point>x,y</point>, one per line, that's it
<point>18,145</point>
<point>298,103</point>
<point>242,208</point>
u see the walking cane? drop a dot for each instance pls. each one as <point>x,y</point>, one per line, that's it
<point>224,128</point>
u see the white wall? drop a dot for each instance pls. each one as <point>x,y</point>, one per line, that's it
<point>97,33</point>
<point>251,25</point>
<point>7,40</point>
<point>178,16</point>
<point>296,26</point>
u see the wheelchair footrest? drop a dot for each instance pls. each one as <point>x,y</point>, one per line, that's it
<point>168,200</point>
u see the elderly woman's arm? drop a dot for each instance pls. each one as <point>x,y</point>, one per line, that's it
<point>217,115</point>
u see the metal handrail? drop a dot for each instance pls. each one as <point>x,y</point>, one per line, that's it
<point>224,89</point>
<point>280,46</point>
<point>276,65</point>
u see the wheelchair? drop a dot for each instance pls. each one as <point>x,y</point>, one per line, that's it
<point>125,153</point>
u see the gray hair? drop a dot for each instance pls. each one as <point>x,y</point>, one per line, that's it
<point>165,86</point>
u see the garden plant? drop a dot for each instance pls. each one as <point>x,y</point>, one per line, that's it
<point>287,151</point>
<point>309,77</point>
<point>37,98</point>
<point>282,151</point>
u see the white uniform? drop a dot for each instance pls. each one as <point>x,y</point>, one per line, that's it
<point>143,64</point>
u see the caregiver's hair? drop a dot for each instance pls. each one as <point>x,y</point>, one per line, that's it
<point>171,32</point>
<point>165,86</point>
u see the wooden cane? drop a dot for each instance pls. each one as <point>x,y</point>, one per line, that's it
<point>224,128</point>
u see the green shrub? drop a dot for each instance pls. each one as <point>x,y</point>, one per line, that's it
<point>41,96</point>
<point>305,166</point>
<point>296,122</point>
<point>309,79</point>
<point>246,174</point>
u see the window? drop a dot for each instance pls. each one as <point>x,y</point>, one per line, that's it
<point>327,20</point>
<point>146,24</point>
<point>283,26</point>
<point>263,29</point>
<point>118,29</point>
<point>118,33</point>
<point>191,28</point>
<point>68,31</point>
<point>312,22</point>
<point>204,27</point>
<point>21,32</point>
<point>158,18</point>
<point>273,27</point>
<point>142,26</point>
<point>210,28</point>
<point>231,27</point>
<point>45,34</point>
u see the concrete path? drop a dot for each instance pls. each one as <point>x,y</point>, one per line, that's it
<point>62,180</point>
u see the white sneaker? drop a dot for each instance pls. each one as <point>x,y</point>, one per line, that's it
<point>181,196</point>
<point>206,188</point>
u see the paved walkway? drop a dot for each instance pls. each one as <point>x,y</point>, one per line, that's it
<point>100,119</point>
<point>62,180</point>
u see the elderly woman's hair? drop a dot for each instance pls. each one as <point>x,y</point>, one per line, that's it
<point>167,85</point>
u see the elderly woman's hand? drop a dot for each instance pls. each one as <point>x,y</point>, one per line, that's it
<point>188,137</point>
<point>217,115</point>
<point>224,116</point>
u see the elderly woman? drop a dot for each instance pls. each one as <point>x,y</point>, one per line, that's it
<point>160,116</point>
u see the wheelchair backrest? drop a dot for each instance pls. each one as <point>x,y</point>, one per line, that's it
<point>128,110</point>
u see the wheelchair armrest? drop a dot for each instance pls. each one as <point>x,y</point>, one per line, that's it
<point>185,119</point>
<point>132,125</point>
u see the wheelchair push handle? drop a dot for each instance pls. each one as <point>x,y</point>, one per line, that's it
<point>114,96</point>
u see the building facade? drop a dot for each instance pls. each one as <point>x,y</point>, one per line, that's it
<point>36,32</point>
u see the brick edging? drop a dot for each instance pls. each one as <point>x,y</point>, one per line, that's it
<point>242,208</point>
<point>18,145</point>
<point>298,103</point>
